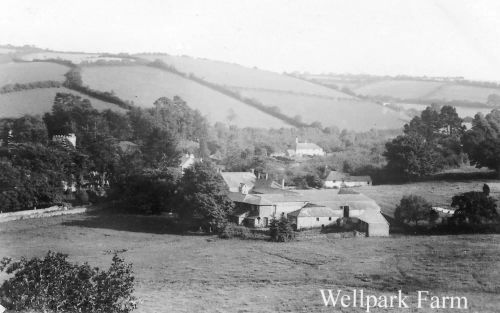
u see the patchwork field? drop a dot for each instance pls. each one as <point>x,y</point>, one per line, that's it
<point>39,101</point>
<point>204,274</point>
<point>13,72</point>
<point>426,90</point>
<point>144,85</point>
<point>233,75</point>
<point>340,112</point>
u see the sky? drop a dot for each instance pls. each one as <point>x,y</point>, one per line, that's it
<point>380,37</point>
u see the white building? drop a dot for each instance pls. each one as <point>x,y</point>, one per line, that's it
<point>306,149</point>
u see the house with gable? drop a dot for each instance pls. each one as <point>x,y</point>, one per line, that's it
<point>305,149</point>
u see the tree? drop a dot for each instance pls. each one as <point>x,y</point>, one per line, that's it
<point>482,141</point>
<point>412,208</point>
<point>203,195</point>
<point>412,156</point>
<point>29,128</point>
<point>474,207</point>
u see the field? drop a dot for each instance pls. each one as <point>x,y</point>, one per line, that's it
<point>439,193</point>
<point>426,90</point>
<point>233,75</point>
<point>339,112</point>
<point>39,101</point>
<point>144,85</point>
<point>13,72</point>
<point>204,274</point>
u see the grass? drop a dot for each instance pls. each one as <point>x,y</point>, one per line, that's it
<point>144,85</point>
<point>11,73</point>
<point>39,101</point>
<point>177,273</point>
<point>340,112</point>
<point>439,193</point>
<point>233,75</point>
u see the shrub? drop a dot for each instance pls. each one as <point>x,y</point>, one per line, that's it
<point>234,231</point>
<point>54,284</point>
<point>474,207</point>
<point>281,230</point>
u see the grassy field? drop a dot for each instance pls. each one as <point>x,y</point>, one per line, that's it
<point>426,90</point>
<point>144,85</point>
<point>340,112</point>
<point>233,75</point>
<point>204,274</point>
<point>439,193</point>
<point>12,72</point>
<point>39,101</point>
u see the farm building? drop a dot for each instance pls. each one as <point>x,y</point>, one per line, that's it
<point>305,208</point>
<point>337,179</point>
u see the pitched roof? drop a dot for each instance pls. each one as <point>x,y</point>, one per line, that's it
<point>235,179</point>
<point>314,210</point>
<point>307,146</point>
<point>248,198</point>
<point>335,176</point>
<point>373,217</point>
<point>358,178</point>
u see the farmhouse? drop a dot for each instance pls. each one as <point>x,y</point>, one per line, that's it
<point>304,208</point>
<point>305,149</point>
<point>338,180</point>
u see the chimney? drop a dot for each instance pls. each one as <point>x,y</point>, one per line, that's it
<point>266,176</point>
<point>282,183</point>
<point>252,171</point>
<point>296,139</point>
<point>258,175</point>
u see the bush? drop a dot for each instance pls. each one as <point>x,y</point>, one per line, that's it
<point>54,284</point>
<point>235,231</point>
<point>281,230</point>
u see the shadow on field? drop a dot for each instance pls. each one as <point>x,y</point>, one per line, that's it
<point>131,223</point>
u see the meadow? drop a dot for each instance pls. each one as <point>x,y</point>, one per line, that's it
<point>339,112</point>
<point>144,85</point>
<point>177,273</point>
<point>438,193</point>
<point>233,75</point>
<point>426,90</point>
<point>39,101</point>
<point>13,72</point>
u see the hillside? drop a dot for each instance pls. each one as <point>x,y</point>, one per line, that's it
<point>234,94</point>
<point>414,88</point>
<point>294,97</point>
<point>12,72</point>
<point>143,85</point>
<point>39,101</point>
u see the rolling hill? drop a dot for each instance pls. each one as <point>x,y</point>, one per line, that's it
<point>234,94</point>
<point>24,72</point>
<point>293,97</point>
<point>144,84</point>
<point>39,101</point>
